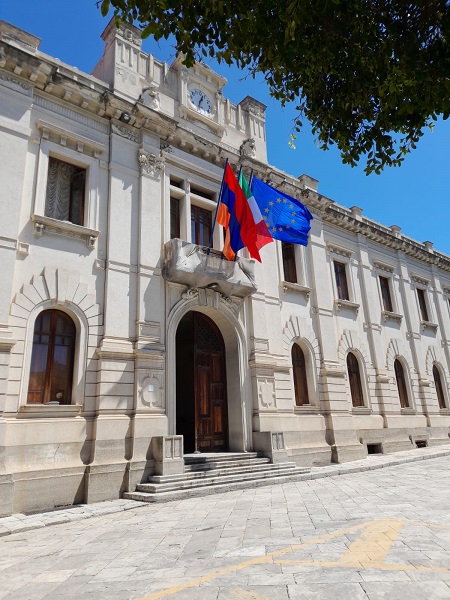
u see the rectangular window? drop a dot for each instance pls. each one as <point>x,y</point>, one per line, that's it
<point>66,185</point>
<point>174,218</point>
<point>341,280</point>
<point>201,192</point>
<point>386,294</point>
<point>422,304</point>
<point>289,267</point>
<point>201,225</point>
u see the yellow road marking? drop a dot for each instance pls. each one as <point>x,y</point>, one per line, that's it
<point>373,544</point>
<point>367,551</point>
<point>372,565</point>
<point>248,563</point>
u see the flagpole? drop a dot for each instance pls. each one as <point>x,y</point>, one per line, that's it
<point>238,178</point>
<point>217,207</point>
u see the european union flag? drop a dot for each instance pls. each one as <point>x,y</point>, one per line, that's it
<point>287,219</point>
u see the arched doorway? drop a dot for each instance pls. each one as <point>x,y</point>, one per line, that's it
<point>201,395</point>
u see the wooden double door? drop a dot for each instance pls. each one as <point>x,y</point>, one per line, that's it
<point>201,405</point>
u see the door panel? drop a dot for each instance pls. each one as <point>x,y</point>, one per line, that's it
<point>210,386</point>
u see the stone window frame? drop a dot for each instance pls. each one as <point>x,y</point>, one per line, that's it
<point>446,295</point>
<point>387,271</point>
<point>41,223</point>
<point>422,283</point>
<point>342,255</point>
<point>443,380</point>
<point>311,377</point>
<point>301,285</point>
<point>411,408</point>
<point>187,198</point>
<point>367,406</point>
<point>79,363</point>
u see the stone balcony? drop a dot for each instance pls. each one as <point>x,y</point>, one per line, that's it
<point>200,267</point>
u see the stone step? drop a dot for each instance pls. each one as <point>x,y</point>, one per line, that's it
<point>214,457</point>
<point>284,469</point>
<point>181,494</point>
<point>211,466</point>
<point>222,470</point>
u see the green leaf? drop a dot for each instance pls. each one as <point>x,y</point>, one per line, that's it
<point>105,6</point>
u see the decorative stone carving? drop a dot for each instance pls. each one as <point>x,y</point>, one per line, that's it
<point>419,279</point>
<point>346,304</point>
<point>339,250</point>
<point>165,147</point>
<point>429,325</point>
<point>125,132</point>
<point>14,84</point>
<point>70,139</point>
<point>266,393</point>
<point>151,392</point>
<point>391,316</point>
<point>129,36</point>
<point>288,286</point>
<point>209,297</point>
<point>248,148</point>
<point>190,294</point>
<point>150,164</point>
<point>49,225</point>
<point>383,266</point>
<point>150,97</point>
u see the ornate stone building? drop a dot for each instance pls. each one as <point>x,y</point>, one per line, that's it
<point>119,332</point>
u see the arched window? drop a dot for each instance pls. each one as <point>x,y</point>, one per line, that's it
<point>355,380</point>
<point>51,368</point>
<point>439,388</point>
<point>300,381</point>
<point>401,384</point>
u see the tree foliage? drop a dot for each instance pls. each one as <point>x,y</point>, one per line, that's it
<point>369,75</point>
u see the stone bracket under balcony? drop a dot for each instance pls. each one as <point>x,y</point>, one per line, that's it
<point>198,267</point>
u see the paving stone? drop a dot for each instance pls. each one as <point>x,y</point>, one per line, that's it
<point>430,590</point>
<point>247,542</point>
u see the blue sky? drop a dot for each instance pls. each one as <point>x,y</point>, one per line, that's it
<point>414,196</point>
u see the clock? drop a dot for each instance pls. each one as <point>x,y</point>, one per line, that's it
<point>200,102</point>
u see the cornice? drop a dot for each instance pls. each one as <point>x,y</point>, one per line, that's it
<point>80,91</point>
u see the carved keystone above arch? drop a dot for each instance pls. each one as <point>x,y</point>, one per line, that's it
<point>63,288</point>
<point>351,340</point>
<point>209,297</point>
<point>434,355</point>
<point>395,349</point>
<point>298,328</point>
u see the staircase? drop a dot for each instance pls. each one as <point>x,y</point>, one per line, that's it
<point>206,474</point>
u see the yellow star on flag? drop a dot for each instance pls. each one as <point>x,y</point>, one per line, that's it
<point>280,229</point>
<point>292,220</point>
<point>266,210</point>
<point>284,201</point>
<point>278,199</point>
<point>271,203</point>
<point>291,206</point>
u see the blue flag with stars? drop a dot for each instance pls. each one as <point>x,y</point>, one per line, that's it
<point>287,219</point>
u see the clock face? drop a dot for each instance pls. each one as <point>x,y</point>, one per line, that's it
<point>201,102</point>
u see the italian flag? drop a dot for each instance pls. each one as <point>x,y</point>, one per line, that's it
<point>262,233</point>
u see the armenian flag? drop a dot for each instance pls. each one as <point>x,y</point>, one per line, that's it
<point>235,215</point>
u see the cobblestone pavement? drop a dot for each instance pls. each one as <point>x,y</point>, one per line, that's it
<point>374,534</point>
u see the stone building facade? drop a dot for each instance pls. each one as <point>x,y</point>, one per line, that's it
<point>119,330</point>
